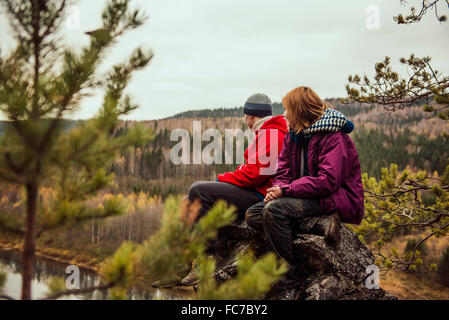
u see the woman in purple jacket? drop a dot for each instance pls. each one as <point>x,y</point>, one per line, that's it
<point>318,174</point>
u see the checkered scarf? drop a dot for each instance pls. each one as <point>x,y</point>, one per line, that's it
<point>331,121</point>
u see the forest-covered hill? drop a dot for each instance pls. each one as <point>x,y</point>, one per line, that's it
<point>222,112</point>
<point>408,137</point>
<point>349,109</point>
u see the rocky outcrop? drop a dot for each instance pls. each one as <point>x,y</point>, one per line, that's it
<point>326,272</point>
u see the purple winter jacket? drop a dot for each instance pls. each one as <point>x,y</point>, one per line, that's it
<point>335,174</point>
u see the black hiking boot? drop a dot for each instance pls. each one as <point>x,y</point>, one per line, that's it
<point>287,294</point>
<point>329,227</point>
<point>289,281</point>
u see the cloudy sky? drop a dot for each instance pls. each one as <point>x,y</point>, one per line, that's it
<point>211,54</point>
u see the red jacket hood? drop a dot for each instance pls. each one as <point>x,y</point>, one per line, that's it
<point>276,122</point>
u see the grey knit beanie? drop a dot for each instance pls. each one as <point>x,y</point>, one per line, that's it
<point>258,105</point>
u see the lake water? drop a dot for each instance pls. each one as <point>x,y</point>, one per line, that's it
<point>10,263</point>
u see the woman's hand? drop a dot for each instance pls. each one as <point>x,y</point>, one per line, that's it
<point>273,193</point>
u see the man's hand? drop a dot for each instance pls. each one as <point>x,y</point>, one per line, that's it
<point>273,193</point>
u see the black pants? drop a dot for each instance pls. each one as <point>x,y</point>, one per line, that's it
<point>279,220</point>
<point>209,192</point>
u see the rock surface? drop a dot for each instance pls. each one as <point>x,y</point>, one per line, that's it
<point>326,273</point>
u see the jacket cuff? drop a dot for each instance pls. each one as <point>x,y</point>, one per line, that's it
<point>280,184</point>
<point>283,191</point>
<point>286,190</point>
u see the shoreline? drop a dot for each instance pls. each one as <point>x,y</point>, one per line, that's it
<point>53,254</point>
<point>92,266</point>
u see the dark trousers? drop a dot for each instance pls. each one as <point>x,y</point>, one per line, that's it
<point>279,221</point>
<point>209,192</point>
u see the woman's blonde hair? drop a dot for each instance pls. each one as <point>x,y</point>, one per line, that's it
<point>303,107</point>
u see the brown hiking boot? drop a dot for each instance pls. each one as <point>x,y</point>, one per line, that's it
<point>173,281</point>
<point>334,235</point>
<point>191,279</point>
<point>329,227</point>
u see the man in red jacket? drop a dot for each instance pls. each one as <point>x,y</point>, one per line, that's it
<point>249,183</point>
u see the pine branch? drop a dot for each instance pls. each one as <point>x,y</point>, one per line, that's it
<point>415,17</point>
<point>384,201</point>
<point>387,89</point>
<point>58,14</point>
<point>405,265</point>
<point>19,15</point>
<point>36,40</point>
<point>401,192</point>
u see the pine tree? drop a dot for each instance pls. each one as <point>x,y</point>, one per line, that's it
<point>41,82</point>
<point>397,201</point>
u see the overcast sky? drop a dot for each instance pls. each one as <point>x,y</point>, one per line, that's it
<point>211,54</point>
